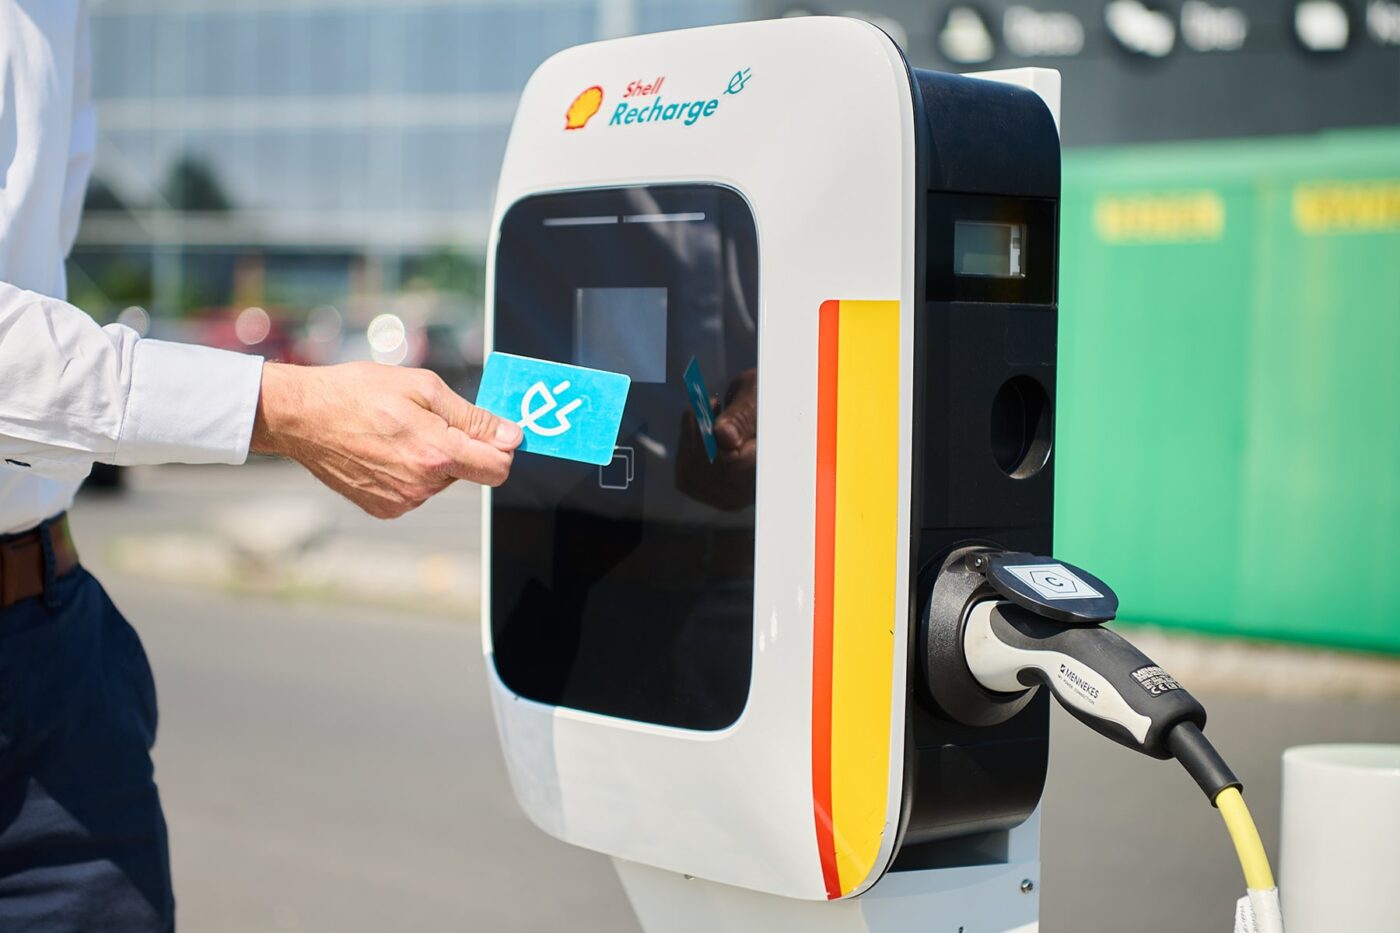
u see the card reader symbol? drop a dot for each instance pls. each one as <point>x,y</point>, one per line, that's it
<point>529,417</point>
<point>619,472</point>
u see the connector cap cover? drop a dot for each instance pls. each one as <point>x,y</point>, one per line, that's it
<point>1050,588</point>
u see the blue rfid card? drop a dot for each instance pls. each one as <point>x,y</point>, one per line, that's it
<point>700,404</point>
<point>565,411</point>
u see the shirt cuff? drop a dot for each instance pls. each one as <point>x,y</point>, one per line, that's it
<point>188,404</point>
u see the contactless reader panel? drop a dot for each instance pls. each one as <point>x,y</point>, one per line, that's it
<point>627,589</point>
<point>831,282</point>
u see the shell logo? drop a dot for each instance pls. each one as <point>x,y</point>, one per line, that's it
<point>583,108</point>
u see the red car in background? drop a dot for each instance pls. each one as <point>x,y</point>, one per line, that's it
<point>246,330</point>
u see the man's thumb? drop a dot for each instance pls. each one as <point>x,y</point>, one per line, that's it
<point>484,426</point>
<point>478,423</point>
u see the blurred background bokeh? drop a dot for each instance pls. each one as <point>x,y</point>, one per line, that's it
<point>312,180</point>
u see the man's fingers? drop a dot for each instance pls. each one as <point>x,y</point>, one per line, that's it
<point>446,453</point>
<point>739,420</point>
<point>737,423</point>
<point>476,423</point>
<point>478,461</point>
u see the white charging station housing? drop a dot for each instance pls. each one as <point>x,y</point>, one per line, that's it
<point>775,165</point>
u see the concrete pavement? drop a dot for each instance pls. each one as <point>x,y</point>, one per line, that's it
<point>328,770</point>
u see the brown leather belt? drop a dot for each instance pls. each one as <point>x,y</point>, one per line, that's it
<point>22,560</point>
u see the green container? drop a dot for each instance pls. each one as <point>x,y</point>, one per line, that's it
<point>1229,385</point>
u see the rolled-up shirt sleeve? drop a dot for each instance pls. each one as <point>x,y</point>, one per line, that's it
<point>73,393</point>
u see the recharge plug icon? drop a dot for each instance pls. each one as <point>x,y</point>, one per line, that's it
<point>529,417</point>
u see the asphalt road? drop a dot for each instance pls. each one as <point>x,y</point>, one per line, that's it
<point>328,768</point>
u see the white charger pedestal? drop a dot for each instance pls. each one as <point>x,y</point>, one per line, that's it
<point>1339,854</point>
<point>999,898</point>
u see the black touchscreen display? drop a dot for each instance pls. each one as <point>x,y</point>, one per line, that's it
<point>627,589</point>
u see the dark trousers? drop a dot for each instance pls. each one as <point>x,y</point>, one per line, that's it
<point>82,837</point>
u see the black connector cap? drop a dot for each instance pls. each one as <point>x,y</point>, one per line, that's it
<point>1200,759</point>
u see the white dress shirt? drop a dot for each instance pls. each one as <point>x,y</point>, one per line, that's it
<point>73,393</point>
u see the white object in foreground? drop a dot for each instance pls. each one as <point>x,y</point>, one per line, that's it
<point>1340,857</point>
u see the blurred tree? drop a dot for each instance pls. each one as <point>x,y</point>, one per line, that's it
<point>101,196</point>
<point>192,185</point>
<point>103,283</point>
<point>126,281</point>
<point>447,270</point>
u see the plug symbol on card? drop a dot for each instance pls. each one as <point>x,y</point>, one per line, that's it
<point>619,472</point>
<point>529,417</point>
<point>566,411</point>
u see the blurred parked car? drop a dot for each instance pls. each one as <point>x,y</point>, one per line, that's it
<point>247,330</point>
<point>452,349</point>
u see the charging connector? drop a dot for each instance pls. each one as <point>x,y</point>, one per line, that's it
<point>1096,674</point>
<point>1029,622</point>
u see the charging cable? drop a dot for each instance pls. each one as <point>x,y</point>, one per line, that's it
<point>1108,684</point>
<point>1258,911</point>
<point>1253,859</point>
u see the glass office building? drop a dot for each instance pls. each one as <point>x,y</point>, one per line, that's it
<point>294,154</point>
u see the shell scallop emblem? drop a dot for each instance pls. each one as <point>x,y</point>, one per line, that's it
<point>583,108</point>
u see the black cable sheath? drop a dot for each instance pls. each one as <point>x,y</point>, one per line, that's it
<point>1200,759</point>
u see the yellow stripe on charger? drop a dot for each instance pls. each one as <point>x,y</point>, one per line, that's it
<point>866,529</point>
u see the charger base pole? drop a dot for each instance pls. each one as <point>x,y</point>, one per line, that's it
<point>1000,898</point>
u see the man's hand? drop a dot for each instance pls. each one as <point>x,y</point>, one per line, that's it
<point>386,438</point>
<point>728,483</point>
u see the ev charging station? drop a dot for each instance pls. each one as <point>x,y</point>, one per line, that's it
<point>793,684</point>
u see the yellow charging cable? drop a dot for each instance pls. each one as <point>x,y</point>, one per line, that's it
<point>1189,746</point>
<point>1245,835</point>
